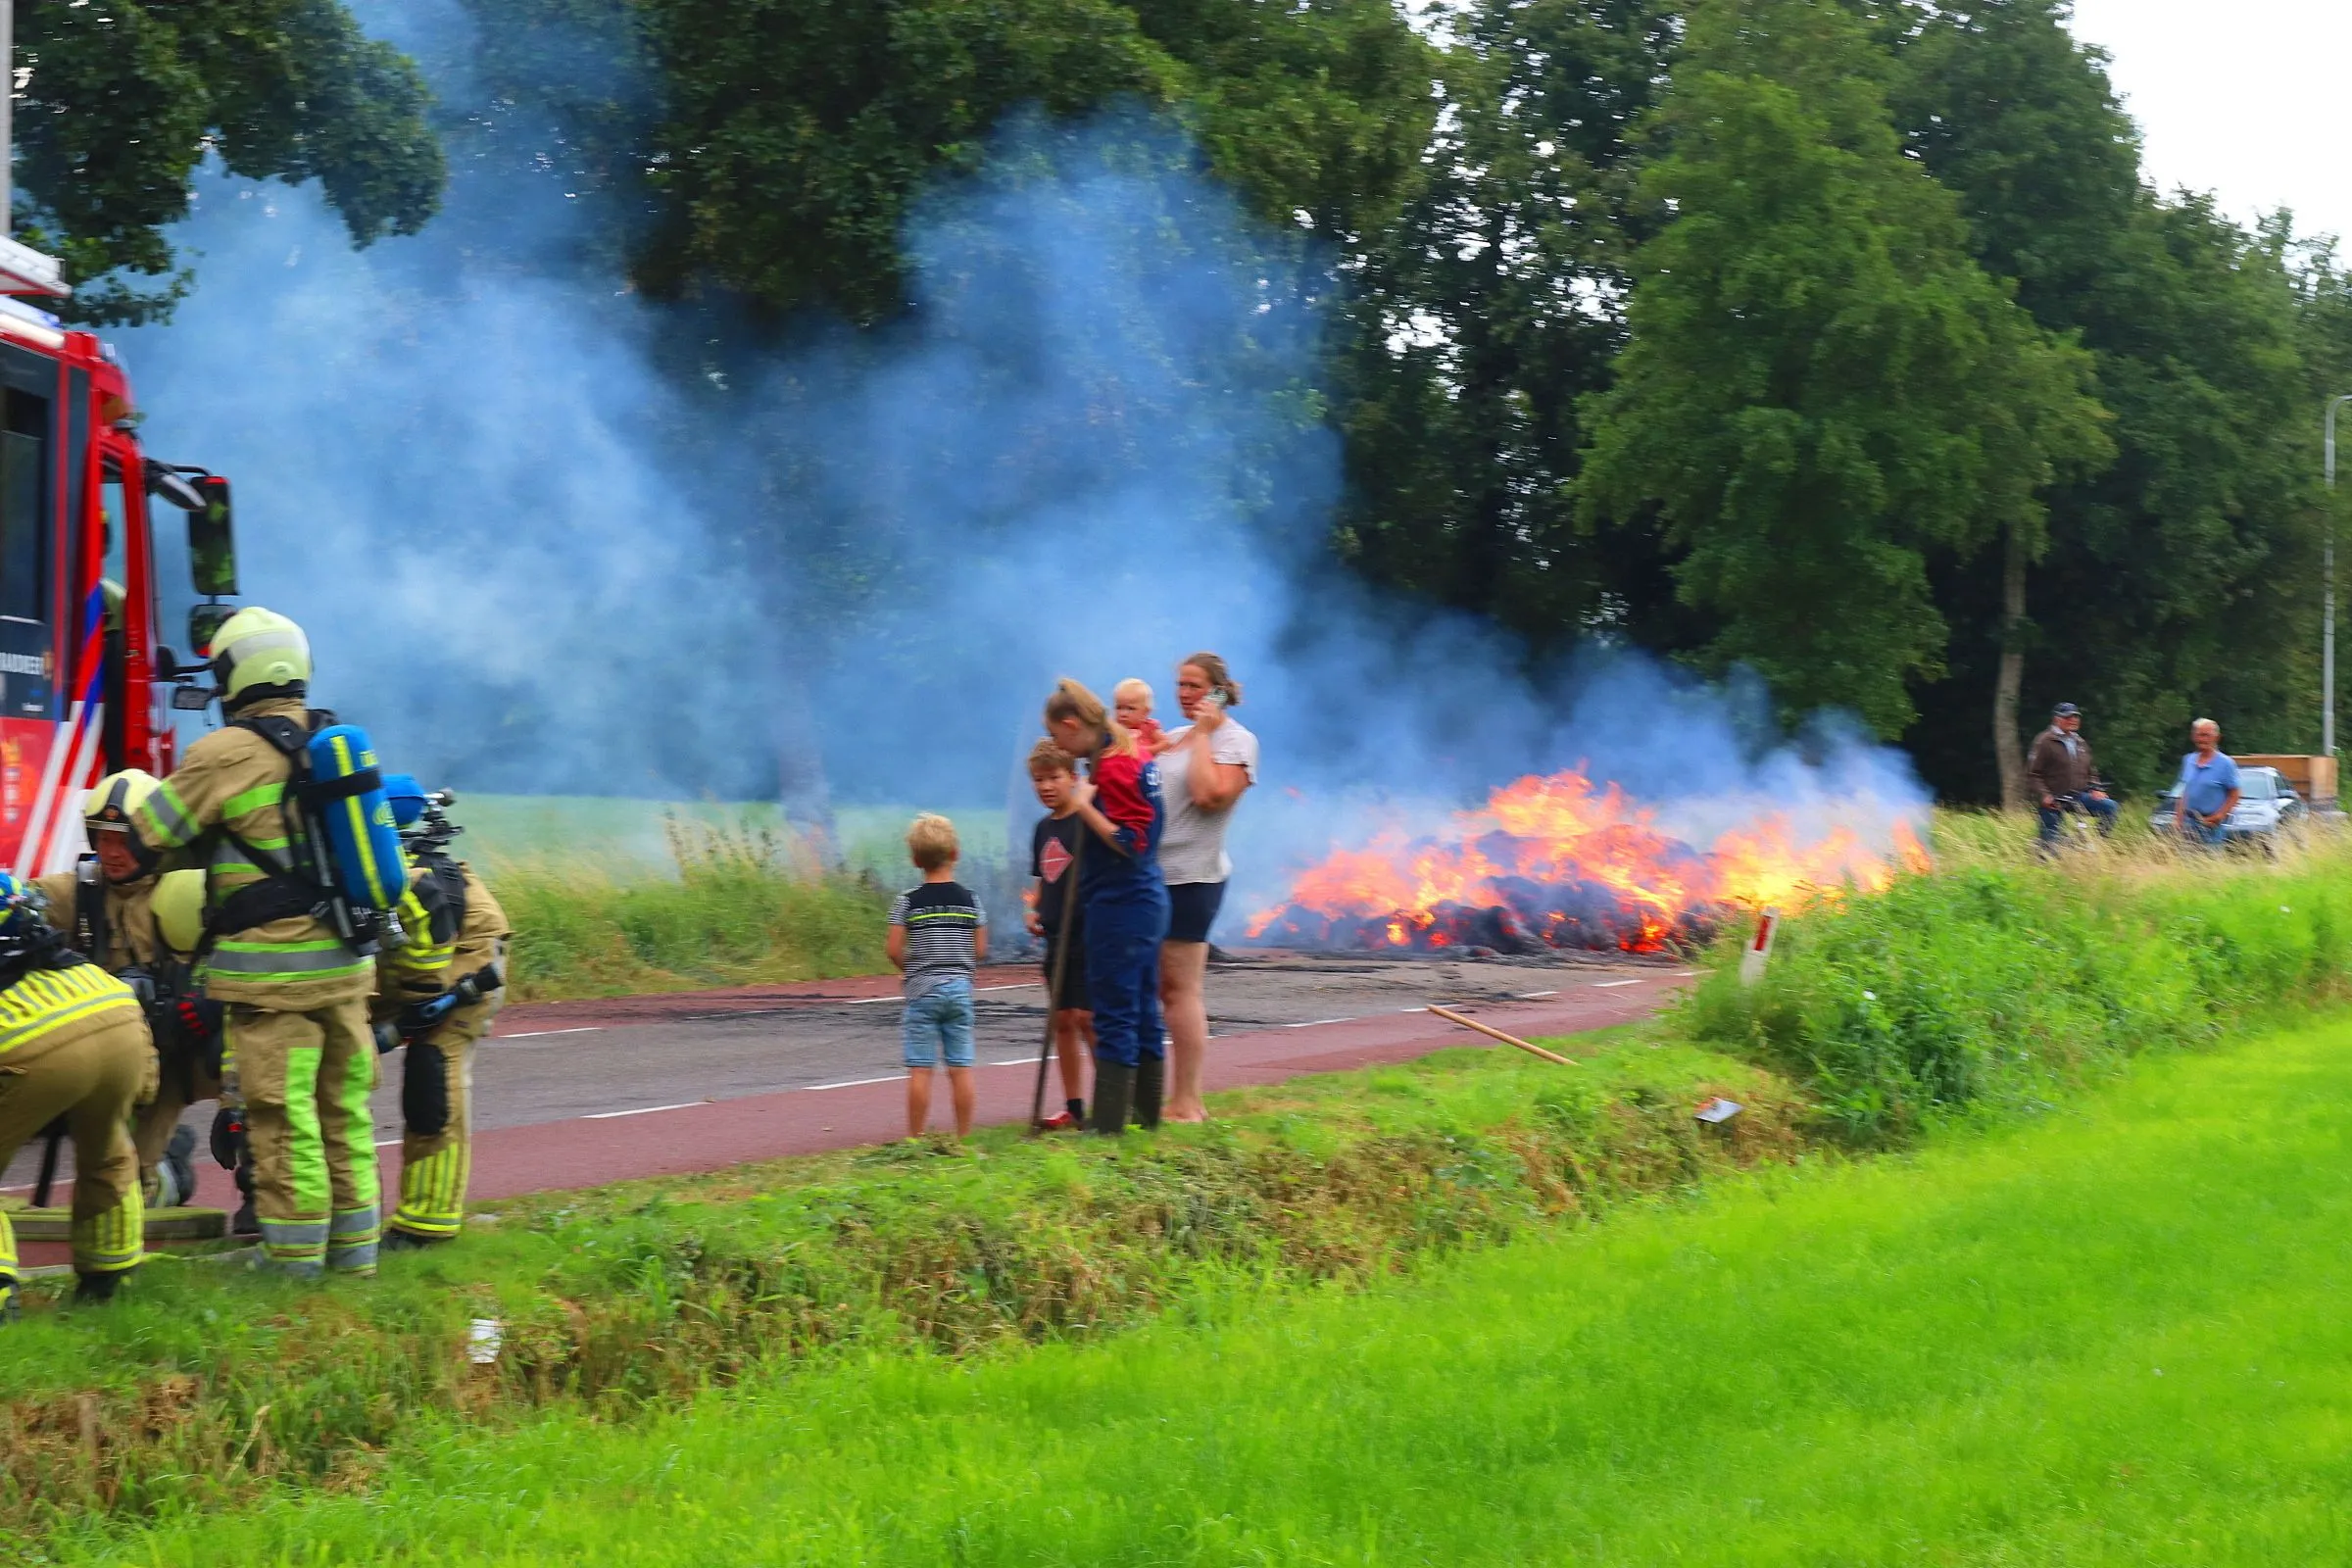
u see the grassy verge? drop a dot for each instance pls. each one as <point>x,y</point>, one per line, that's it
<point>2111,1337</point>
<point>200,1390</point>
<point>1984,989</point>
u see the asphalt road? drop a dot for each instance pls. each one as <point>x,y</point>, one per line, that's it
<point>567,1093</point>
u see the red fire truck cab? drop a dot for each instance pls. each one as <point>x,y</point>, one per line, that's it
<point>86,684</point>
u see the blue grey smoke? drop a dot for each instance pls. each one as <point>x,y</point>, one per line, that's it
<point>547,540</point>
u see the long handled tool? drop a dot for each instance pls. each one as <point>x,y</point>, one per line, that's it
<point>1451,1016</point>
<point>55,1133</point>
<point>1058,969</point>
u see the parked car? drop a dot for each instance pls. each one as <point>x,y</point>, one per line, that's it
<point>2266,803</point>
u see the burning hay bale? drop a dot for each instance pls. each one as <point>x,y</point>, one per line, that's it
<point>1554,862</point>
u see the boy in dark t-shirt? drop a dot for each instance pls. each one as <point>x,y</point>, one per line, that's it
<point>1053,847</point>
<point>938,935</point>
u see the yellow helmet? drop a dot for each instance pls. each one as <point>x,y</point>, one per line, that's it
<point>115,797</point>
<point>258,648</point>
<point>179,906</point>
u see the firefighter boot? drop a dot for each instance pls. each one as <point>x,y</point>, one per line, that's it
<point>247,1222</point>
<point>1114,1090</point>
<point>176,1172</point>
<point>96,1290</point>
<point>1150,1087</point>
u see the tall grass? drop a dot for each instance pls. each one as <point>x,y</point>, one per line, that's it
<point>2001,980</point>
<point>750,902</point>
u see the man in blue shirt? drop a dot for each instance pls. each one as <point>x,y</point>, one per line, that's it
<point>2208,784</point>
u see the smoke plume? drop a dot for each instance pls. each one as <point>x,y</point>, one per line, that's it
<point>548,540</point>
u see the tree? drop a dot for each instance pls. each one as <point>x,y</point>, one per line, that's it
<point>798,132</point>
<point>122,98</point>
<point>1821,385</point>
<point>1492,305</point>
<point>2172,582</point>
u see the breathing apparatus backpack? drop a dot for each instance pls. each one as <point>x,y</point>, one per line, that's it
<point>343,863</point>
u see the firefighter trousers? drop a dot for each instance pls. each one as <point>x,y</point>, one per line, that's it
<point>437,1144</point>
<point>304,1079</point>
<point>92,1077</point>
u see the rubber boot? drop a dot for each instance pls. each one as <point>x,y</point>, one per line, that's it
<point>245,1222</point>
<point>96,1290</point>
<point>1114,1090</point>
<point>8,1298</point>
<point>176,1172</point>
<point>1150,1087</point>
<point>399,1240</point>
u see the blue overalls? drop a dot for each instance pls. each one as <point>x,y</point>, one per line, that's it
<point>1126,920</point>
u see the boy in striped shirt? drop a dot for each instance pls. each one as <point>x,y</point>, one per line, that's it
<point>938,935</point>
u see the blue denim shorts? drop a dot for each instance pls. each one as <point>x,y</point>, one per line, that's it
<point>939,1023</point>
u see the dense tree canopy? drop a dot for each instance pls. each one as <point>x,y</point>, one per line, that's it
<point>1821,385</point>
<point>1841,338</point>
<point>122,98</point>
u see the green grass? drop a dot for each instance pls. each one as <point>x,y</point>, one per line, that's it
<point>611,897</point>
<point>2113,1336</point>
<point>630,838</point>
<point>212,1388</point>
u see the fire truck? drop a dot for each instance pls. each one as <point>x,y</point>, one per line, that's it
<point>88,685</point>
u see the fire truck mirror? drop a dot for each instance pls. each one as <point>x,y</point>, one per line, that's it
<point>213,542</point>
<point>204,621</point>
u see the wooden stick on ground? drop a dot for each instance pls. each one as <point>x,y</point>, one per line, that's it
<point>1451,1016</point>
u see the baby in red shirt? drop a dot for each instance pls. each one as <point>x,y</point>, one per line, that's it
<point>1131,706</point>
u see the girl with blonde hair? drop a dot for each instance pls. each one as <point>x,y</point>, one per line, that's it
<point>1124,905</point>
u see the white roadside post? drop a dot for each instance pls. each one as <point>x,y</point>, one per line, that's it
<point>1759,946</point>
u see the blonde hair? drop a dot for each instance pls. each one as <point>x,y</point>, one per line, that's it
<point>1046,758</point>
<point>2196,724</point>
<point>1220,679</point>
<point>931,842</point>
<point>1132,690</point>
<point>1073,701</point>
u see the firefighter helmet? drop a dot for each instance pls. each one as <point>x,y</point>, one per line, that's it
<point>178,907</point>
<point>258,652</point>
<point>116,796</point>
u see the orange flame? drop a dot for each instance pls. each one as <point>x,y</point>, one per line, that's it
<point>1562,832</point>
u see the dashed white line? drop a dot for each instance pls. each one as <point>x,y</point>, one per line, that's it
<point>852,1083</point>
<point>1316,1023</point>
<point>1530,996</point>
<point>1604,985</point>
<point>641,1110</point>
<point>533,1034</point>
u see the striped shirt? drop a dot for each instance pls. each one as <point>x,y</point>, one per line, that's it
<point>943,922</point>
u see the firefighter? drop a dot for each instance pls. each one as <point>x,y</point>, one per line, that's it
<point>106,906</point>
<point>72,1047</point>
<point>437,996</point>
<point>299,1056</point>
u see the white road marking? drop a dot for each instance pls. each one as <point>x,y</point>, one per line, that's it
<point>533,1034</point>
<point>641,1110</point>
<point>1604,985</point>
<point>1317,1023</point>
<point>1530,996</point>
<point>865,1000</point>
<point>1016,985</point>
<point>852,1083</point>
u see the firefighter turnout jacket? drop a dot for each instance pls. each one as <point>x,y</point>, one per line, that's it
<point>230,792</point>
<point>467,941</point>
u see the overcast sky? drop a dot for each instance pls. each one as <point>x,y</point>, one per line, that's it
<point>2240,97</point>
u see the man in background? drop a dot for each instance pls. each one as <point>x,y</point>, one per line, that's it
<point>2209,790</point>
<point>2060,774</point>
